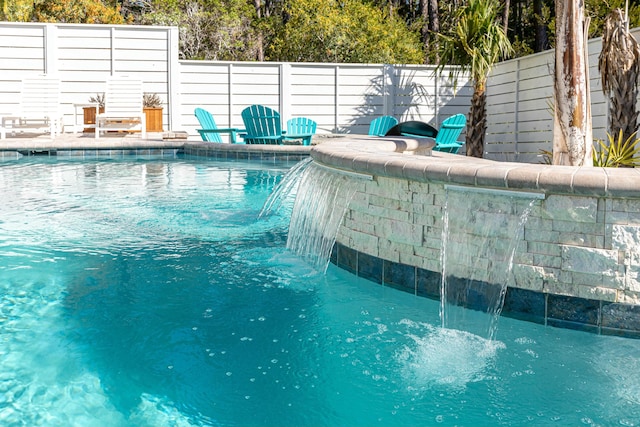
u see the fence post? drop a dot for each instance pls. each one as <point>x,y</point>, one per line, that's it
<point>50,65</point>
<point>336,103</point>
<point>516,112</point>
<point>285,91</point>
<point>173,79</point>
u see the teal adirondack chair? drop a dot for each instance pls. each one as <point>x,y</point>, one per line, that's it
<point>262,125</point>
<point>210,132</point>
<point>301,128</point>
<point>381,125</point>
<point>448,134</point>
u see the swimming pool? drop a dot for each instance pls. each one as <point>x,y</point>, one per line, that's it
<point>147,292</point>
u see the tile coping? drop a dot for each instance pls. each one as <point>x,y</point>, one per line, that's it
<point>388,157</point>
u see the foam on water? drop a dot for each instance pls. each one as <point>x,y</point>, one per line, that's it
<point>447,358</point>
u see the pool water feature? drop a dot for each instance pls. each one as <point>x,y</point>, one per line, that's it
<point>147,292</point>
<point>481,234</point>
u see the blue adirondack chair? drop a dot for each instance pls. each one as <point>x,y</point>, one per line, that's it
<point>381,125</point>
<point>448,134</point>
<point>262,125</point>
<point>210,132</point>
<point>301,128</point>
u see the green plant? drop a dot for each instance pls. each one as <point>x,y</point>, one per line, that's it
<point>618,152</point>
<point>547,157</point>
<point>99,99</point>
<point>151,100</point>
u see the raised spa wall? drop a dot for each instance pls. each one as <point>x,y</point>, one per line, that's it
<point>578,257</point>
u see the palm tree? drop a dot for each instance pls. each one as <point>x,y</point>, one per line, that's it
<point>572,133</point>
<point>475,43</point>
<point>619,66</point>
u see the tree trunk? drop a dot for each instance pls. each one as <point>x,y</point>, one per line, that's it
<point>260,42</point>
<point>477,123</point>
<point>429,9</point>
<point>619,65</point>
<point>505,16</point>
<point>541,37</point>
<point>572,139</point>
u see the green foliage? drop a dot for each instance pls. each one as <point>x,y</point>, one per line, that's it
<point>618,152</point>
<point>476,42</point>
<point>76,11</point>
<point>209,29</point>
<point>347,31</point>
<point>16,10</point>
<point>547,156</point>
<point>598,11</point>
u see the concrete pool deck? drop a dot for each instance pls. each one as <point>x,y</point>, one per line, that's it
<point>577,262</point>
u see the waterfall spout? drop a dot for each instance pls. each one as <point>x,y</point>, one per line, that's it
<point>321,202</point>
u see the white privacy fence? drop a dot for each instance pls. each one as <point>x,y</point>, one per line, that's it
<point>342,98</point>
<point>83,57</point>
<point>520,105</point>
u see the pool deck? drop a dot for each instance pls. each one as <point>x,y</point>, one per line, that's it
<point>120,144</point>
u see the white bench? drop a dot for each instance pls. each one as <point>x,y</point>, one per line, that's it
<point>39,109</point>
<point>123,108</point>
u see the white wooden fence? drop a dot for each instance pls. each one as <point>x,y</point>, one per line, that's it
<point>342,98</point>
<point>520,105</point>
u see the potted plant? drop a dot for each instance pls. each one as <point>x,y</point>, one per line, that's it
<point>89,113</point>
<point>152,106</point>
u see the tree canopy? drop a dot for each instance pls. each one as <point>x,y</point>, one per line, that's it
<point>367,31</point>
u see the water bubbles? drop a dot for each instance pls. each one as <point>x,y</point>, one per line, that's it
<point>447,357</point>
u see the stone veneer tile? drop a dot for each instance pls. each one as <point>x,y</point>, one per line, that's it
<point>370,267</point>
<point>400,276</point>
<point>575,310</point>
<point>589,260</point>
<point>571,208</point>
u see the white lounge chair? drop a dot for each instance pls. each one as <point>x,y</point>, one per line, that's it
<point>39,109</point>
<point>123,109</point>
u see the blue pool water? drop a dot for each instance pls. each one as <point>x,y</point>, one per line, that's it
<point>148,293</point>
